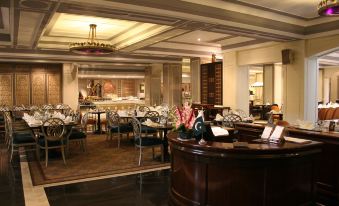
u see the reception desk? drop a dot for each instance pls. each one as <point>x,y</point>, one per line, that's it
<point>327,170</point>
<point>261,174</point>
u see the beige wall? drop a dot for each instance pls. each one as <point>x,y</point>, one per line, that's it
<point>70,85</point>
<point>293,98</point>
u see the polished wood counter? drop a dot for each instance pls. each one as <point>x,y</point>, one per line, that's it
<point>327,170</point>
<point>262,174</point>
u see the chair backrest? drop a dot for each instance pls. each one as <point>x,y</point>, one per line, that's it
<point>47,106</point>
<point>144,109</point>
<point>53,129</point>
<point>8,124</point>
<point>231,119</point>
<point>240,112</point>
<point>113,118</point>
<point>136,129</point>
<point>152,115</point>
<point>84,120</point>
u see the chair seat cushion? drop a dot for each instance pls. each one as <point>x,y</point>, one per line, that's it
<point>23,138</point>
<point>77,135</point>
<point>41,142</point>
<point>145,129</point>
<point>123,128</point>
<point>149,141</point>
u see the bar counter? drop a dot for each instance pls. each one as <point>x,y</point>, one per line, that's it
<point>262,174</point>
<point>327,170</point>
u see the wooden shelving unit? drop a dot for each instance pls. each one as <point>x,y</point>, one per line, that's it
<point>211,83</point>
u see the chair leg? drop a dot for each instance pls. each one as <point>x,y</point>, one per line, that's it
<point>12,150</point>
<point>63,154</point>
<point>140,156</point>
<point>46,156</point>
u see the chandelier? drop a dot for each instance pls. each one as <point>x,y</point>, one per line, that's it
<point>328,8</point>
<point>91,46</point>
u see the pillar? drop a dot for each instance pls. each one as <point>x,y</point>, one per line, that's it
<point>153,84</point>
<point>172,78</point>
<point>70,88</point>
<point>195,80</point>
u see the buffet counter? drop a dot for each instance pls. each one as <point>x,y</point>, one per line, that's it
<point>118,104</point>
<point>327,170</point>
<point>258,174</point>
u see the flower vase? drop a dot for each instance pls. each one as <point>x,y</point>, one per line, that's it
<point>185,135</point>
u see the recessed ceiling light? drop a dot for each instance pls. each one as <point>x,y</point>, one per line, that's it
<point>199,39</point>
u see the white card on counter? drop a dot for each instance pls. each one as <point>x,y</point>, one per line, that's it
<point>266,133</point>
<point>277,133</point>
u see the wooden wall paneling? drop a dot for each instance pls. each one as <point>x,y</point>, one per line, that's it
<point>53,88</point>
<point>38,88</point>
<point>6,89</point>
<point>204,84</point>
<point>22,89</point>
<point>128,87</point>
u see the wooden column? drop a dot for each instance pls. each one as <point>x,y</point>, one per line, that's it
<point>153,84</point>
<point>172,84</point>
<point>195,75</point>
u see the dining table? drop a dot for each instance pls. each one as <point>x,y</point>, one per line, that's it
<point>164,128</point>
<point>98,113</point>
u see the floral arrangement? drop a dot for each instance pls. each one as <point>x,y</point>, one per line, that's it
<point>185,118</point>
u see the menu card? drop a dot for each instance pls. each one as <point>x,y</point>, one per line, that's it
<point>277,134</point>
<point>266,133</point>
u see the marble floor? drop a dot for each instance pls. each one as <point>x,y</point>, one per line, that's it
<point>11,190</point>
<point>145,187</point>
<point>149,188</point>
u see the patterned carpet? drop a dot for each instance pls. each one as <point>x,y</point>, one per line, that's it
<point>103,158</point>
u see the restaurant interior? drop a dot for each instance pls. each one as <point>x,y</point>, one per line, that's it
<point>181,102</point>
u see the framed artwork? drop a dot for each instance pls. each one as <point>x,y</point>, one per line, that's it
<point>142,88</point>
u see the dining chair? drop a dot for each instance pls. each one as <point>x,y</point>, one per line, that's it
<point>230,120</point>
<point>329,113</point>
<point>18,138</point>
<point>115,126</point>
<point>155,117</point>
<point>143,108</point>
<point>53,131</point>
<point>322,113</point>
<point>79,134</point>
<point>143,142</point>
<point>336,113</point>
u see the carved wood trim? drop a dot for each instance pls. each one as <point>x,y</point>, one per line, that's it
<point>22,89</point>
<point>38,88</point>
<point>6,89</point>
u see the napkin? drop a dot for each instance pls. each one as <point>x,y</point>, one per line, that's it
<point>68,119</point>
<point>218,117</point>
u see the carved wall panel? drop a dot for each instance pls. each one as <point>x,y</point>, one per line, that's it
<point>22,93</point>
<point>38,88</point>
<point>53,88</point>
<point>6,89</point>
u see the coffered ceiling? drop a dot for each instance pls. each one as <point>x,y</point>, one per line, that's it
<point>153,31</point>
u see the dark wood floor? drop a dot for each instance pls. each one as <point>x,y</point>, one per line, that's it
<point>11,191</point>
<point>141,189</point>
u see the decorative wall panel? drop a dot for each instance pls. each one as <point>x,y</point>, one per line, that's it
<point>38,88</point>
<point>128,87</point>
<point>6,89</point>
<point>22,93</point>
<point>53,89</point>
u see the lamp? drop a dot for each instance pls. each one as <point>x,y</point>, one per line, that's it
<point>91,46</point>
<point>328,8</point>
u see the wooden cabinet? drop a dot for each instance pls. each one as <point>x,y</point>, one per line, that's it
<point>211,83</point>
